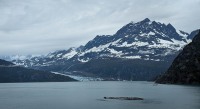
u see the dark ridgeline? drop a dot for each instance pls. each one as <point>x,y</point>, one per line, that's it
<point>5,63</point>
<point>185,69</point>
<point>12,73</point>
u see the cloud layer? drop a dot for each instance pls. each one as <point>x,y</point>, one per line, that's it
<point>41,26</point>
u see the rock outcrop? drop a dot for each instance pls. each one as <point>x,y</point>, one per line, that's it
<point>185,69</point>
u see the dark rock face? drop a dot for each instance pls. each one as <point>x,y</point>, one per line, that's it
<point>12,73</point>
<point>186,67</point>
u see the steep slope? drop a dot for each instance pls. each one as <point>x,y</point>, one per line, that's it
<point>120,69</point>
<point>12,73</point>
<point>185,69</point>
<point>144,42</point>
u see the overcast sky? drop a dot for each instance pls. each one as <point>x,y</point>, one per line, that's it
<point>42,26</point>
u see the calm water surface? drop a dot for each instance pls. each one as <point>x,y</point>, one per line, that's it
<point>89,95</point>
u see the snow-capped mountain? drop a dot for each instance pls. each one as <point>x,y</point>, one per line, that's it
<point>147,41</point>
<point>18,57</point>
<point>57,57</point>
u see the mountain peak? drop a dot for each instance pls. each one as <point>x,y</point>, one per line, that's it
<point>146,20</point>
<point>169,25</point>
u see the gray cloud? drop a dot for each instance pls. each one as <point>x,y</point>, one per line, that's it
<point>41,26</point>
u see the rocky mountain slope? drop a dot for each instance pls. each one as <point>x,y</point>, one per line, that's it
<point>10,72</point>
<point>145,41</point>
<point>185,69</point>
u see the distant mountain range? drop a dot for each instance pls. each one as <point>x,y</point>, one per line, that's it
<point>10,72</point>
<point>185,69</point>
<point>18,57</point>
<point>137,51</point>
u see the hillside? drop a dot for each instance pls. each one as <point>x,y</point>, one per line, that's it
<point>12,73</point>
<point>185,69</point>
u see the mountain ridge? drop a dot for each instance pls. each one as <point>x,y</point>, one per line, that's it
<point>145,41</point>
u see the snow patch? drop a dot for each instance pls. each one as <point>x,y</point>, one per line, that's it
<point>150,22</point>
<point>174,44</point>
<point>116,43</point>
<point>83,60</point>
<point>58,55</point>
<point>126,36</point>
<point>137,43</point>
<point>151,33</point>
<point>70,54</point>
<point>133,57</point>
<point>114,51</point>
<point>96,49</point>
<point>181,34</point>
<point>145,52</point>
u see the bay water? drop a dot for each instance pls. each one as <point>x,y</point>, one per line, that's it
<point>89,95</point>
